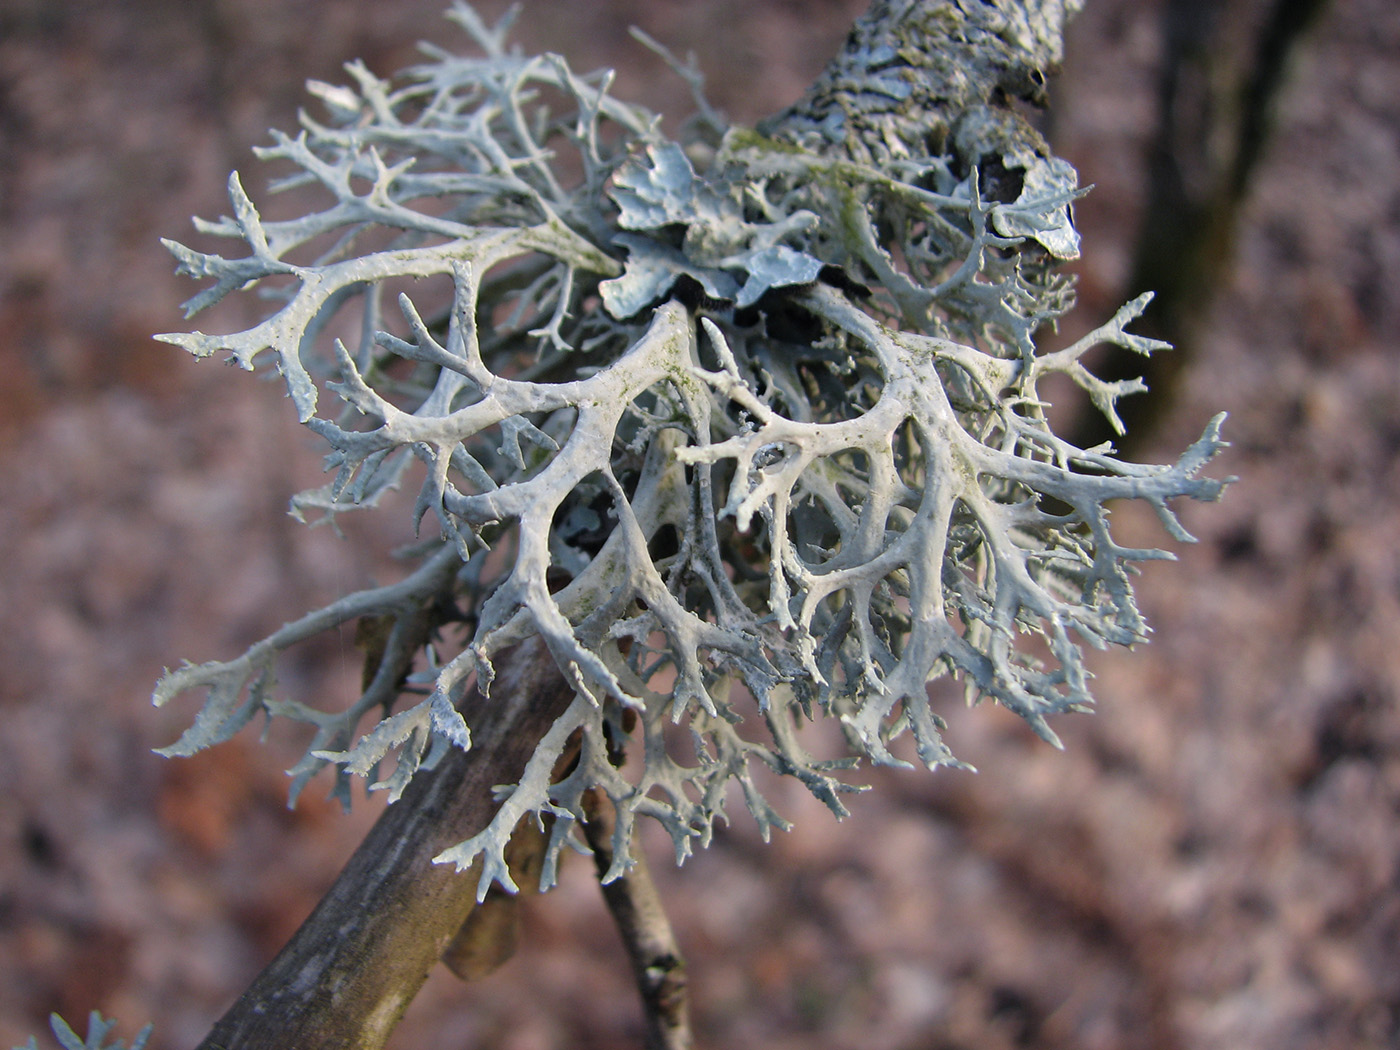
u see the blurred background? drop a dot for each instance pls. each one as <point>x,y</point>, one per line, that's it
<point>1213,862</point>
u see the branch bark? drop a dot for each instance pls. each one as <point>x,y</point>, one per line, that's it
<point>657,964</point>
<point>916,78</point>
<point>350,971</point>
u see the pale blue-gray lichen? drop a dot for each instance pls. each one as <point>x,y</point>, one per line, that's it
<point>96,1039</point>
<point>753,420</point>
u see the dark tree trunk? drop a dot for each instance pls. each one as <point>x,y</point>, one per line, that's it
<point>1215,103</point>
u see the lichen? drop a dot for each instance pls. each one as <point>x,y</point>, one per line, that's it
<point>760,439</point>
<point>97,1032</point>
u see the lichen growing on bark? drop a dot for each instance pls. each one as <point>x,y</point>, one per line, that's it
<point>748,426</point>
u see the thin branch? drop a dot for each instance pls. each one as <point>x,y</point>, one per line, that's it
<point>651,944</point>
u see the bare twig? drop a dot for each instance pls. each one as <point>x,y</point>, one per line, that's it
<point>646,932</point>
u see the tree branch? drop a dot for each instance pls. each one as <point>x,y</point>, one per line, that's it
<point>916,78</point>
<point>350,971</point>
<point>646,932</point>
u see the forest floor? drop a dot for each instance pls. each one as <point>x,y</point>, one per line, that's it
<point>1212,863</point>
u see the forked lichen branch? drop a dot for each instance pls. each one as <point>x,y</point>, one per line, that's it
<point>748,428</point>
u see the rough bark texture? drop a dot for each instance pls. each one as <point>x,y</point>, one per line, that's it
<point>344,980</point>
<point>916,77</point>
